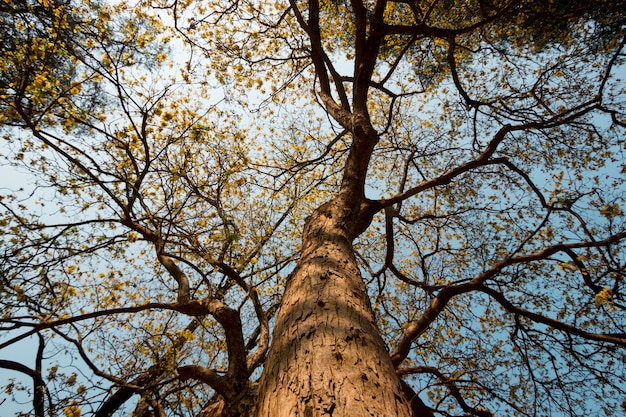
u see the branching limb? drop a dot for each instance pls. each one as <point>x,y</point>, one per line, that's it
<point>430,314</point>
<point>485,158</point>
<point>38,387</point>
<point>469,102</point>
<point>208,376</point>
<point>555,324</point>
<point>259,354</point>
<point>154,374</point>
<point>438,303</point>
<point>168,263</point>
<point>322,63</point>
<point>452,387</point>
<point>423,29</point>
<point>390,214</point>
<point>447,177</point>
<point>417,405</point>
<point>38,381</point>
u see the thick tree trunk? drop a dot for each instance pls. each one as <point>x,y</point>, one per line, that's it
<point>327,357</point>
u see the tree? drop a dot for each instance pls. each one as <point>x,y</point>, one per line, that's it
<point>312,208</point>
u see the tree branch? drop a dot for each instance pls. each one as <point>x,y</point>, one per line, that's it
<point>38,381</point>
<point>450,384</point>
<point>154,373</point>
<point>555,324</point>
<point>437,305</point>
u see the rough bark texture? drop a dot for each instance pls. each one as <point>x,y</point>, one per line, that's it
<point>327,357</point>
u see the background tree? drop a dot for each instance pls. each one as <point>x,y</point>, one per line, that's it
<point>314,207</point>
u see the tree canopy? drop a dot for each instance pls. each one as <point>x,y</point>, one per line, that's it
<point>171,167</point>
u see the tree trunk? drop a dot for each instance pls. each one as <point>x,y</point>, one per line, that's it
<point>327,357</point>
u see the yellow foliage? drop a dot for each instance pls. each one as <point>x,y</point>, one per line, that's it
<point>610,210</point>
<point>604,297</point>
<point>72,411</point>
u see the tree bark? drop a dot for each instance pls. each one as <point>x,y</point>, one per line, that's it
<point>327,357</point>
